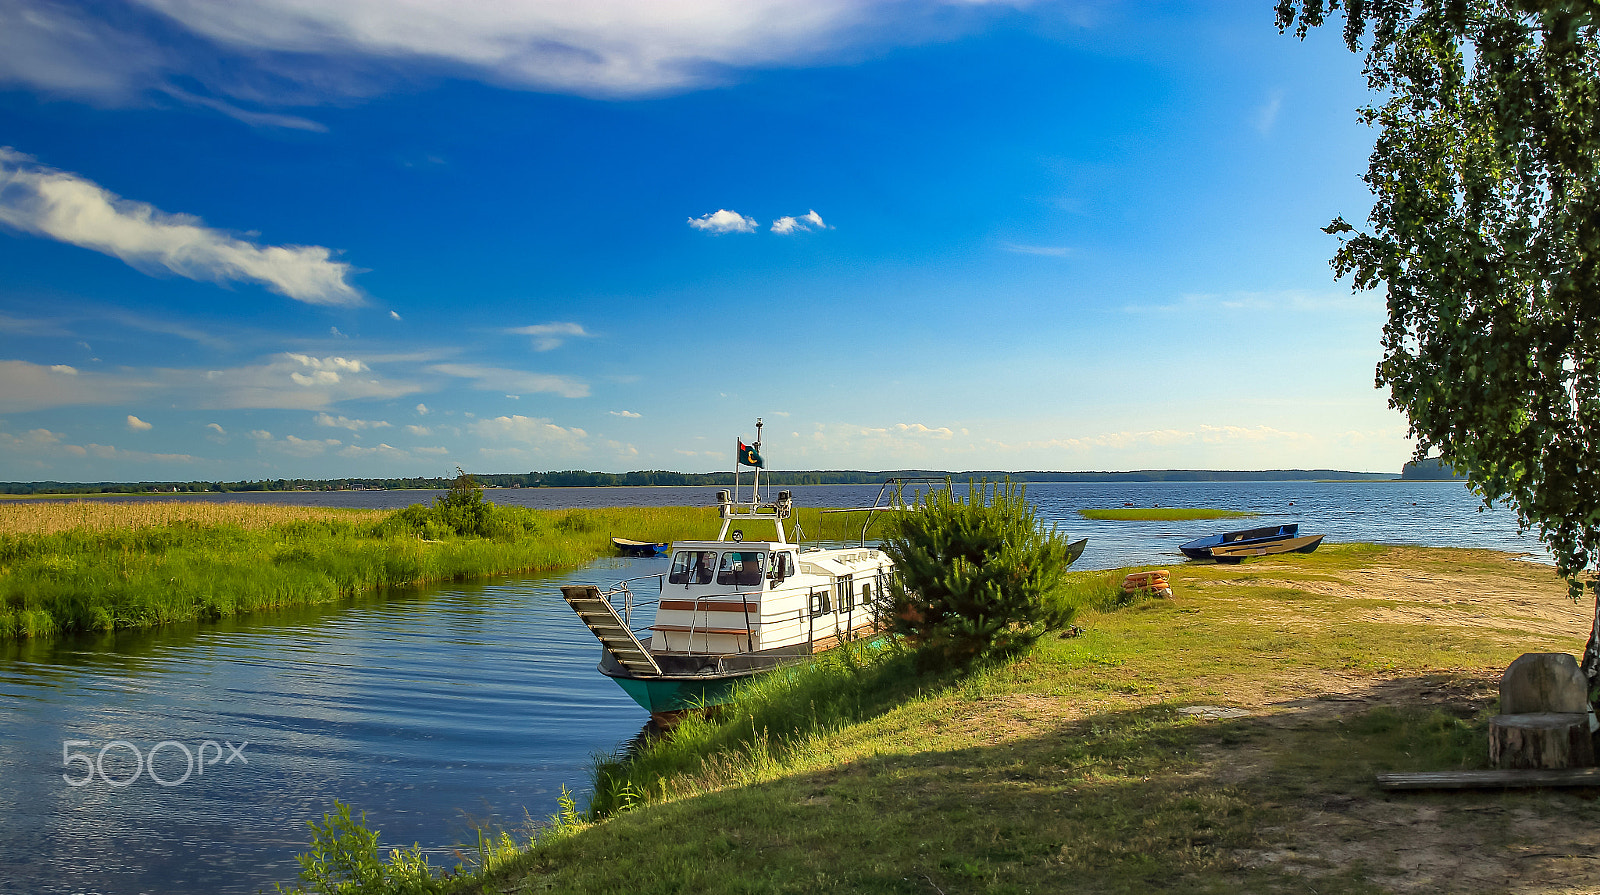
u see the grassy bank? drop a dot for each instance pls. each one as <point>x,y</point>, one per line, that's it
<point>1076,767</point>
<point>99,566</point>
<point>1161,514</point>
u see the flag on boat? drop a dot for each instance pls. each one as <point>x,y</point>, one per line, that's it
<point>749,457</point>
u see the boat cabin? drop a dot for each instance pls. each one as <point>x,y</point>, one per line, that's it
<point>723,597</point>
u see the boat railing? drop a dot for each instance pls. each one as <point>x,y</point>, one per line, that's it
<point>625,599</point>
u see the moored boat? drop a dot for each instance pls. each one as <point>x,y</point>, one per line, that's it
<point>1231,553</point>
<point>1201,548</point>
<point>630,547</point>
<point>730,608</point>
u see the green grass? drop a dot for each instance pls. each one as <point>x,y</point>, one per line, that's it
<point>113,577</point>
<point>1072,768</point>
<point>1161,514</point>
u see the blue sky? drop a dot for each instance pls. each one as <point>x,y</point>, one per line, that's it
<point>284,238</point>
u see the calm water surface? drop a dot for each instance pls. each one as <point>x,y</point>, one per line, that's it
<point>443,707</point>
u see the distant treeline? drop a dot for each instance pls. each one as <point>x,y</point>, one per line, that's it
<point>581,478</point>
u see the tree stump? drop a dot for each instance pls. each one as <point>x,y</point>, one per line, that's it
<point>1541,740</point>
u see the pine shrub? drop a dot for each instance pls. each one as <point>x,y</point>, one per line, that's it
<point>975,577</point>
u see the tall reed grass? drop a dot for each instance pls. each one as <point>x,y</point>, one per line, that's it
<point>96,566</point>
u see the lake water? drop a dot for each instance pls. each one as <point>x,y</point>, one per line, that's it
<point>441,707</point>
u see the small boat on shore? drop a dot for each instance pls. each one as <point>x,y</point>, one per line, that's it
<point>1232,553</point>
<point>1203,548</point>
<point>731,608</point>
<point>629,547</point>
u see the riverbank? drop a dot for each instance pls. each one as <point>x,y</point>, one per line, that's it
<point>1223,740</point>
<point>101,566</point>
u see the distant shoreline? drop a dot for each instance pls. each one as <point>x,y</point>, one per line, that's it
<point>659,478</point>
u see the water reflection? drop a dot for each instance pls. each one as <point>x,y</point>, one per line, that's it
<point>429,710</point>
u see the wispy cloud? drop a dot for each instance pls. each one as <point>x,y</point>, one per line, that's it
<point>500,379</point>
<point>530,432</point>
<point>724,221</point>
<point>549,336</point>
<point>287,381</point>
<point>808,221</point>
<point>138,425</point>
<point>344,422</point>
<point>1046,251</point>
<point>625,414</point>
<point>299,52</point>
<point>1267,115</point>
<point>58,205</point>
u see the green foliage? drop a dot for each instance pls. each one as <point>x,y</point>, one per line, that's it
<point>975,577</point>
<point>1484,234</point>
<point>344,858</point>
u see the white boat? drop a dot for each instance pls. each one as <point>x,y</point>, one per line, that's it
<point>732,607</point>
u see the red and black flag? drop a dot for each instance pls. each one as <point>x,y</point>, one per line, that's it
<point>749,457</point>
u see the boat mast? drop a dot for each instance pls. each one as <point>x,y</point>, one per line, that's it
<point>755,471</point>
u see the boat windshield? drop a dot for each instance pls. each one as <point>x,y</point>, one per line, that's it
<point>692,567</point>
<point>741,567</point>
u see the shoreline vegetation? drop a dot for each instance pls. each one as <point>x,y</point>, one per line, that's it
<point>1161,514</point>
<point>69,567</point>
<point>664,478</point>
<point>1225,739</point>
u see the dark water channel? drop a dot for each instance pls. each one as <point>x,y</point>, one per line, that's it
<point>438,708</point>
<point>432,710</point>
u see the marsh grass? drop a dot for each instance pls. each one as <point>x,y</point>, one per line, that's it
<point>99,566</point>
<point>1161,514</point>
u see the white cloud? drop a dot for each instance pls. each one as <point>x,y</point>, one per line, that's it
<point>1045,251</point>
<point>422,410</point>
<point>547,336</point>
<point>45,202</point>
<point>138,425</point>
<point>301,52</point>
<point>530,431</point>
<point>394,315</point>
<point>260,434</point>
<point>419,431</point>
<point>435,451</point>
<point>626,414</point>
<point>514,381</point>
<point>344,422</point>
<point>305,447</point>
<point>286,382</point>
<point>724,221</point>
<point>382,450</point>
<point>808,221</point>
<point>217,427</point>
<point>1267,115</point>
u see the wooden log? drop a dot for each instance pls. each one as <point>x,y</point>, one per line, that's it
<point>1513,779</point>
<point>1541,740</point>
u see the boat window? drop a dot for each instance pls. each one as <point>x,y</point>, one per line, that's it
<point>866,594</point>
<point>782,566</point>
<point>692,567</point>
<point>847,594</point>
<point>741,568</point>
<point>820,605</point>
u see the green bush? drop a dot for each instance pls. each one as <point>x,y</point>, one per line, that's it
<point>975,578</point>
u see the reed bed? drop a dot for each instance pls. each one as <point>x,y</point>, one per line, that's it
<point>90,566</point>
<point>40,517</point>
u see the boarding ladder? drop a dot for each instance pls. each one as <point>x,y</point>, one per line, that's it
<point>615,638</point>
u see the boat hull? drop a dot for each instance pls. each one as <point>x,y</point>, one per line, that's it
<point>1238,553</point>
<point>693,682</point>
<point>629,547</point>
<point>1200,548</point>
